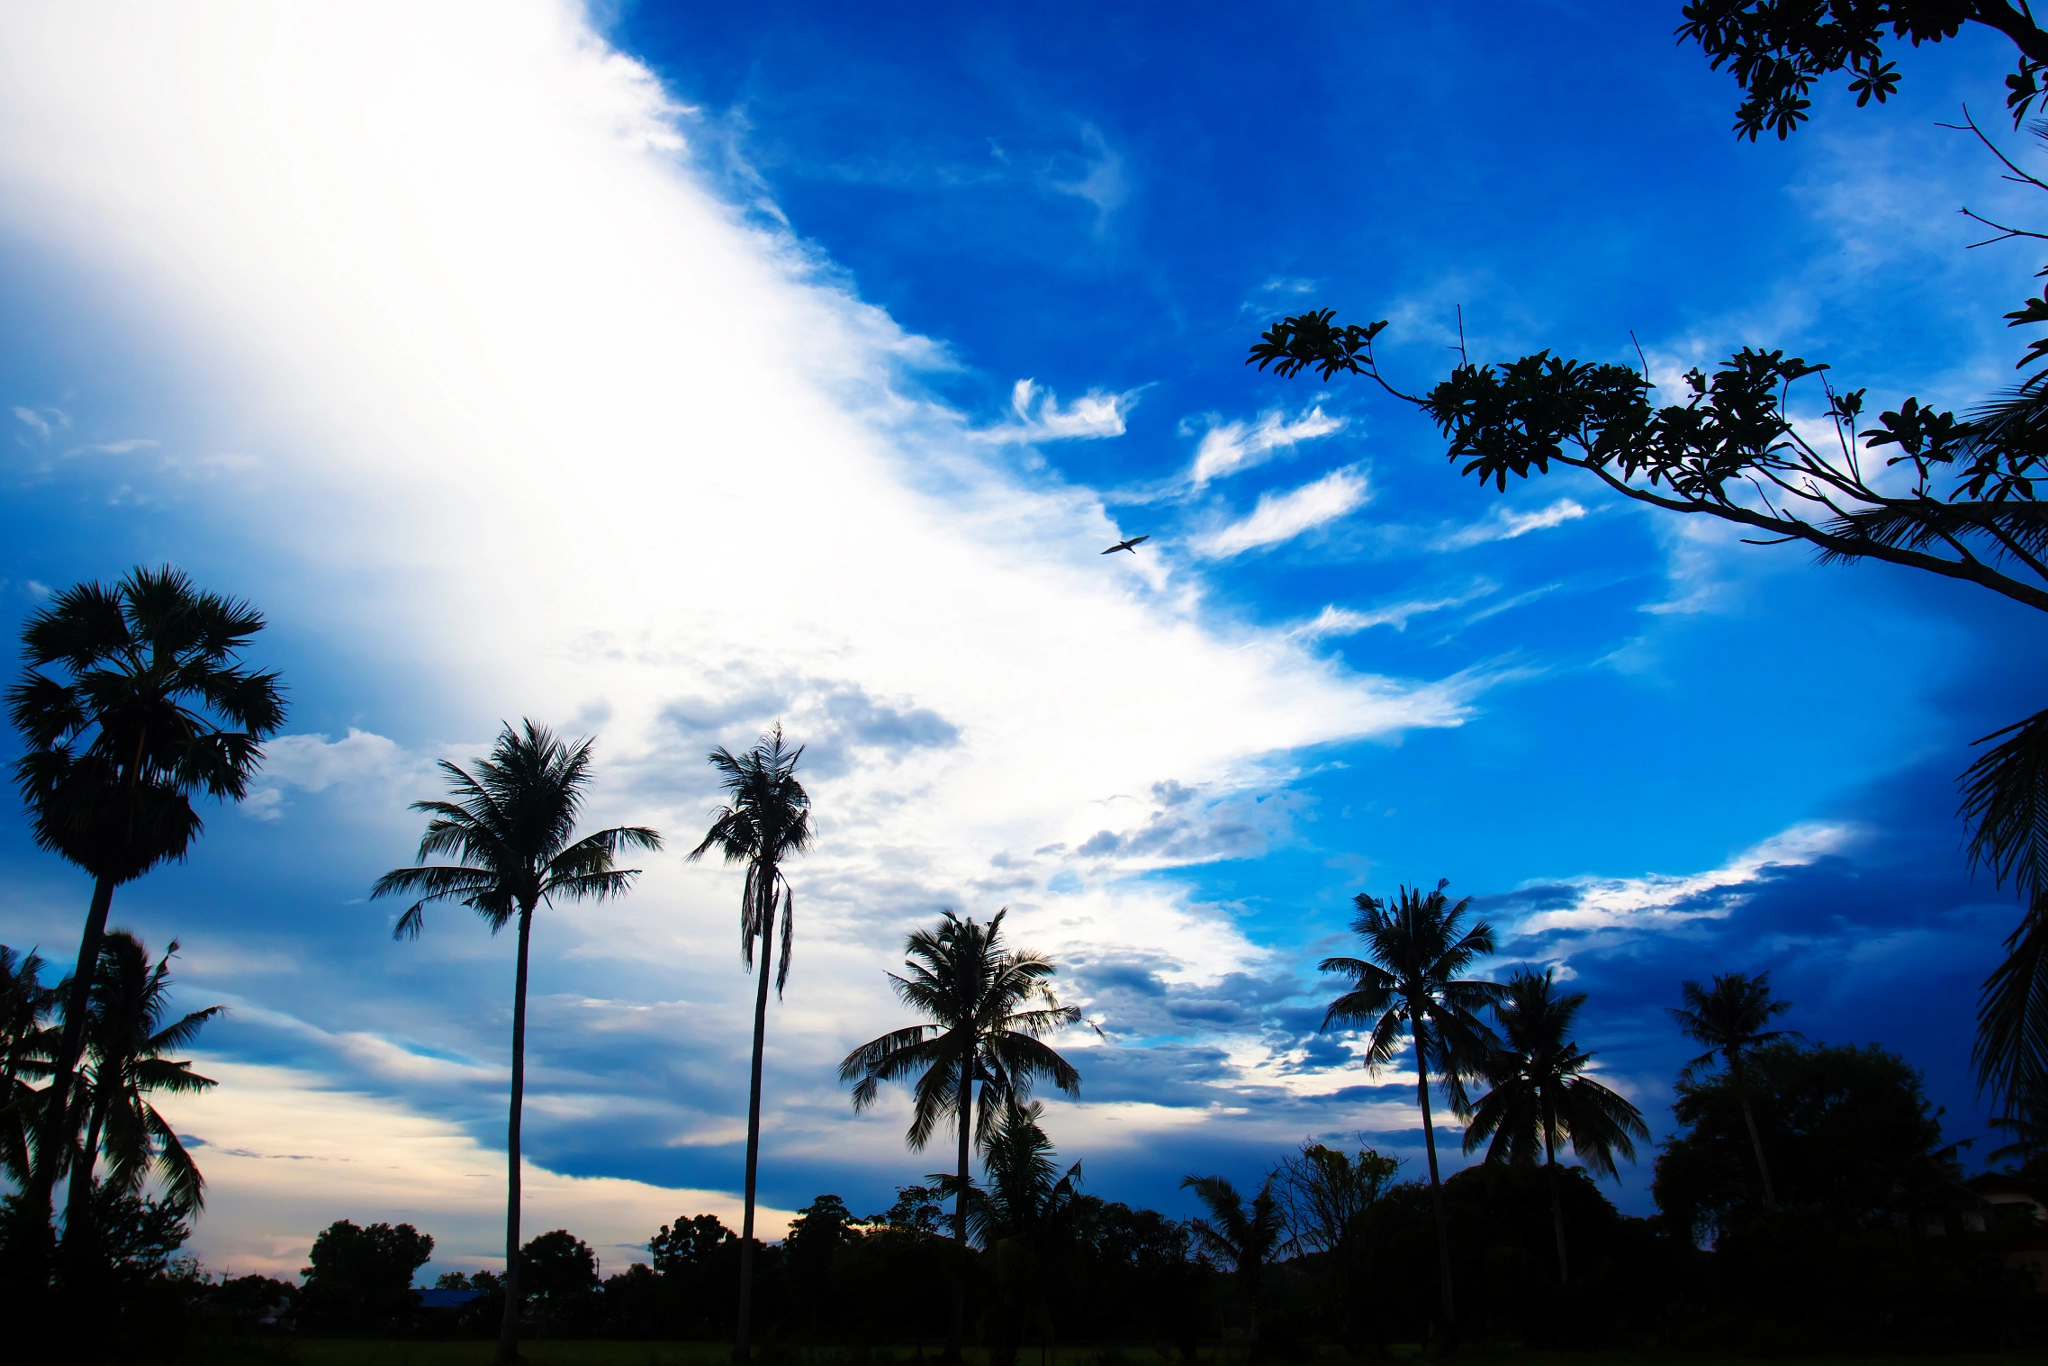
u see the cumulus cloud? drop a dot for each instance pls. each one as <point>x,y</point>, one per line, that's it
<point>1282,517</point>
<point>1228,447</point>
<point>1505,524</point>
<point>585,445</point>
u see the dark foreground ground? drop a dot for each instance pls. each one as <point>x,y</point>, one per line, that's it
<point>567,1353</point>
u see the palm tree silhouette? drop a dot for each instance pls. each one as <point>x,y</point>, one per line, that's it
<point>27,1044</point>
<point>147,710</point>
<point>767,822</point>
<point>126,1043</point>
<point>1730,1018</point>
<point>1416,945</point>
<point>1020,1217</point>
<point>513,827</point>
<point>1542,1096</point>
<point>1244,1239</point>
<point>977,997</point>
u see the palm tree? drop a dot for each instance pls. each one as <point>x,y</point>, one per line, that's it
<point>26,1045</point>
<point>1542,1096</point>
<point>767,822</point>
<point>983,1026</point>
<point>1416,945</point>
<point>512,825</point>
<point>1243,1239</point>
<point>1730,1019</point>
<point>1019,1217</point>
<point>126,1040</point>
<point>148,710</point>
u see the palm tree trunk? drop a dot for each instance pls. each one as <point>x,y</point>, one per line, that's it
<point>43,1178</point>
<point>1564,1274</point>
<point>1436,1194</point>
<point>741,1340</point>
<point>956,1325</point>
<point>1749,1117</point>
<point>508,1330</point>
<point>75,1206</point>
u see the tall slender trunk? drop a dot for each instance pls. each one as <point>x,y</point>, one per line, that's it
<point>1755,1140</point>
<point>508,1330</point>
<point>76,1205</point>
<point>742,1339</point>
<point>1436,1193</point>
<point>956,1326</point>
<point>1564,1274</point>
<point>55,1126</point>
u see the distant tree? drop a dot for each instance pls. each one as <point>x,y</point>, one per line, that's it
<point>1416,946</point>
<point>361,1278</point>
<point>126,1040</point>
<point>766,822</point>
<point>130,705</point>
<point>1540,1095</point>
<point>1243,1238</point>
<point>1733,1018</point>
<point>558,1266</point>
<point>513,827</point>
<point>1964,507</point>
<point>816,1235</point>
<point>989,1009</point>
<point>1851,1127</point>
<point>688,1243</point>
<point>1326,1198</point>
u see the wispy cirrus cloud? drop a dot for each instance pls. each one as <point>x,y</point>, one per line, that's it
<point>1345,621</point>
<point>1228,447</point>
<point>1040,417</point>
<point>1505,524</point>
<point>1281,517</point>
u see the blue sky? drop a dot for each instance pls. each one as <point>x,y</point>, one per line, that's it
<point>663,371</point>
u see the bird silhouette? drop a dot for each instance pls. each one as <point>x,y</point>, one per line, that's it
<point>1130,545</point>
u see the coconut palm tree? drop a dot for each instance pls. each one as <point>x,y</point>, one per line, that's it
<point>1243,1239</point>
<point>1416,946</point>
<point>988,1009</point>
<point>126,1042</point>
<point>130,704</point>
<point>1731,1018</point>
<point>512,825</point>
<point>766,823</point>
<point>1020,1216</point>
<point>1542,1096</point>
<point>26,1045</point>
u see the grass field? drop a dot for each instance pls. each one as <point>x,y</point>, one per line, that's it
<point>362,1353</point>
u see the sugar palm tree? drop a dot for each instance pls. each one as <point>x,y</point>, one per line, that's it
<point>988,1009</point>
<point>766,823</point>
<point>1416,946</point>
<point>1244,1239</point>
<point>1541,1095</point>
<point>1731,1018</point>
<point>512,825</point>
<point>130,704</point>
<point>126,1043</point>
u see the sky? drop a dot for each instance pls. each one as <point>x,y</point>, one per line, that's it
<point>661,372</point>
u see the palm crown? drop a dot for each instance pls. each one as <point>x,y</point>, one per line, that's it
<point>127,1041</point>
<point>1541,1096</point>
<point>1730,1018</point>
<point>1417,944</point>
<point>988,1007</point>
<point>512,826</point>
<point>147,709</point>
<point>767,821</point>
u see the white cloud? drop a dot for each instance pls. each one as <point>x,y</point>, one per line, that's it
<point>546,428</point>
<point>42,421</point>
<point>1505,524</point>
<point>1228,447</point>
<point>1345,621</point>
<point>1040,417</point>
<point>1282,517</point>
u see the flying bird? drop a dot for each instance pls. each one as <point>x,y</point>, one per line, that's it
<point>1130,545</point>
